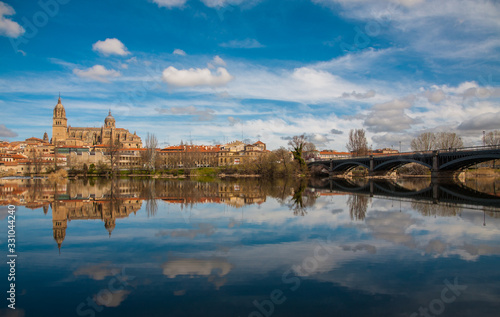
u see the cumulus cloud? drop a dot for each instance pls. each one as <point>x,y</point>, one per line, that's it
<point>97,72</point>
<point>110,47</point>
<point>335,131</point>
<point>179,52</point>
<point>246,43</point>
<point>6,132</point>
<point>366,95</point>
<point>390,116</point>
<point>320,140</point>
<point>485,121</point>
<point>196,77</point>
<point>435,96</point>
<point>202,114</point>
<point>170,3</point>
<point>8,27</point>
<point>391,140</point>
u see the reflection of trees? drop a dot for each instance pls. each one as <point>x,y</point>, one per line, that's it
<point>302,199</point>
<point>414,184</point>
<point>358,204</point>
<point>484,184</point>
<point>442,209</point>
<point>148,193</point>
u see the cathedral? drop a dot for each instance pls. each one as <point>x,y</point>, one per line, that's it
<point>64,135</point>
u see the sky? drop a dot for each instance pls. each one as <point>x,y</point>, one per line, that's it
<point>215,71</point>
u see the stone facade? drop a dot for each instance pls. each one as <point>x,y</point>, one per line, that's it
<point>64,135</point>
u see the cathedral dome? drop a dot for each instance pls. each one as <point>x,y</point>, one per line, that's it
<point>109,121</point>
<point>109,118</point>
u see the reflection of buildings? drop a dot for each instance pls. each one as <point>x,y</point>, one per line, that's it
<point>89,209</point>
<point>232,194</point>
<point>111,200</point>
<point>72,201</point>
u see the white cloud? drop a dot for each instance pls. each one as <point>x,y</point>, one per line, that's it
<point>8,27</point>
<point>170,3</point>
<point>6,132</point>
<point>195,77</point>
<point>390,116</point>
<point>202,115</point>
<point>110,47</point>
<point>369,94</point>
<point>223,3</point>
<point>218,61</point>
<point>458,29</point>
<point>179,52</point>
<point>246,43</point>
<point>97,72</point>
<point>132,60</point>
<point>435,96</point>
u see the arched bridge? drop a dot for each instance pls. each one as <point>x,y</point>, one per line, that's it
<point>447,192</point>
<point>442,163</point>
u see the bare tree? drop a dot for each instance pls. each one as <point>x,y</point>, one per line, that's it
<point>357,143</point>
<point>424,142</point>
<point>34,161</point>
<point>448,140</point>
<point>113,154</point>
<point>283,156</point>
<point>430,141</point>
<point>493,138</point>
<point>309,149</point>
<point>149,156</point>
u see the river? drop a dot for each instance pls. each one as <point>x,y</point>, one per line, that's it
<point>252,248</point>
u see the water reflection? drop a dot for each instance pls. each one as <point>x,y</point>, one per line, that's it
<point>189,248</point>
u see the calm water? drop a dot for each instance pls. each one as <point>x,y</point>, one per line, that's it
<point>248,248</point>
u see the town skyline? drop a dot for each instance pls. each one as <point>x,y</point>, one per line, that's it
<point>217,71</point>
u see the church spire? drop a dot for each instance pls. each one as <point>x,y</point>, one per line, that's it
<point>59,100</point>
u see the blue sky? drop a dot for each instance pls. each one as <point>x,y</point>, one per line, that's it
<point>213,71</point>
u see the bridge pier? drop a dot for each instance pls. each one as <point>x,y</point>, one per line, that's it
<point>436,173</point>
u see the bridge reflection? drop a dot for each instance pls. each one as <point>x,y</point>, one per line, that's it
<point>451,193</point>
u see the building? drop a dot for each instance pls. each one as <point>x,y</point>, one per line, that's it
<point>64,135</point>
<point>237,152</point>
<point>385,151</point>
<point>186,156</point>
<point>331,155</point>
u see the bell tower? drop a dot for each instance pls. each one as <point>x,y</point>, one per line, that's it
<point>59,123</point>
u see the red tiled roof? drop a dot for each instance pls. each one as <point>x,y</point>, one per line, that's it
<point>334,153</point>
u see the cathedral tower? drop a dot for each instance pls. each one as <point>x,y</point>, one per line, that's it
<point>59,123</point>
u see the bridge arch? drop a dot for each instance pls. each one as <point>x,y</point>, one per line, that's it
<point>393,164</point>
<point>346,166</point>
<point>464,162</point>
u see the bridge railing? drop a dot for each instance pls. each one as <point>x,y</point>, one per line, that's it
<point>449,150</point>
